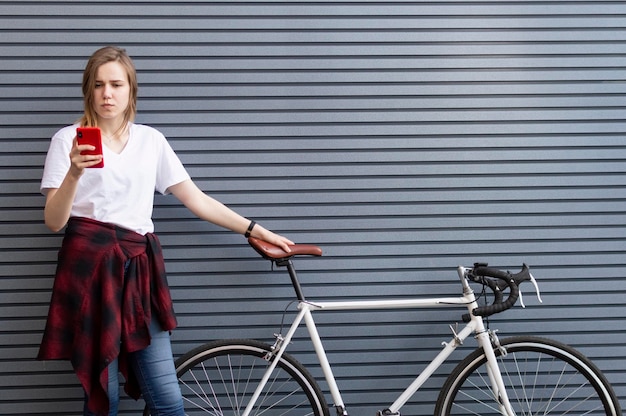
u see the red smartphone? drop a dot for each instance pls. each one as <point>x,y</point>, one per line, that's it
<point>90,135</point>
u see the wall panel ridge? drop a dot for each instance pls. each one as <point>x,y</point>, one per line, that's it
<point>403,137</point>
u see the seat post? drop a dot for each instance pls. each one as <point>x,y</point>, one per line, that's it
<point>294,277</point>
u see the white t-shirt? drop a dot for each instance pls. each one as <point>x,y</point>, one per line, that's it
<point>122,192</point>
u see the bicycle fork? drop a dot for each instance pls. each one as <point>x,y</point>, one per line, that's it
<point>489,339</point>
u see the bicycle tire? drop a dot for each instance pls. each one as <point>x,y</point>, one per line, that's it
<point>542,377</point>
<point>219,378</point>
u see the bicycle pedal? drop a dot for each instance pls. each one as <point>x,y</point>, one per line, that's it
<point>387,412</point>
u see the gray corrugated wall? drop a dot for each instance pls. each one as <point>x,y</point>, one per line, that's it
<point>405,138</point>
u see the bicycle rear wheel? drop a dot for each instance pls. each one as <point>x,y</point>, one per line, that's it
<point>219,378</point>
<point>542,377</point>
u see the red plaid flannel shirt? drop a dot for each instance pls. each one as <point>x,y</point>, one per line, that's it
<point>110,283</point>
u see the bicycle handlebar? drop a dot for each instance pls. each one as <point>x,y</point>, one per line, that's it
<point>483,275</point>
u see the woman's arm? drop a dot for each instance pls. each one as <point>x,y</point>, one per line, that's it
<point>209,209</point>
<point>59,204</point>
<point>59,200</point>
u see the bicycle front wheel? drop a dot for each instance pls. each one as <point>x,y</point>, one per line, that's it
<point>219,378</point>
<point>542,377</point>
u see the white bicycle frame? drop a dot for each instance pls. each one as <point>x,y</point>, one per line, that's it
<point>475,326</point>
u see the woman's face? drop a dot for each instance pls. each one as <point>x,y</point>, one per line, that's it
<point>112,92</point>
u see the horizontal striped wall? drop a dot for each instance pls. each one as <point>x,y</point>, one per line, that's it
<point>404,138</point>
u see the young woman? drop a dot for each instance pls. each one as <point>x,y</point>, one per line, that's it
<point>111,310</point>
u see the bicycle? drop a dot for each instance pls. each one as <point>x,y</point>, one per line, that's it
<point>521,375</point>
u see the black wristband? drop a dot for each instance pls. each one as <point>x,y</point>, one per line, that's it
<point>250,227</point>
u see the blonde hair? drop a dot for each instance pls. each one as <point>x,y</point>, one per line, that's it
<point>99,58</point>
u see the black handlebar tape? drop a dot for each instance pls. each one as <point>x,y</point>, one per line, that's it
<point>505,279</point>
<point>499,307</point>
<point>492,272</point>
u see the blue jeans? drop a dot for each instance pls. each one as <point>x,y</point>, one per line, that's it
<point>154,368</point>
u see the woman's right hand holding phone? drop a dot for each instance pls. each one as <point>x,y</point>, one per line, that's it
<point>80,159</point>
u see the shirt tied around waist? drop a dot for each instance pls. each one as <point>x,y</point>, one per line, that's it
<point>110,284</point>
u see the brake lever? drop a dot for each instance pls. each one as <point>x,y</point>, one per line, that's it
<point>532,279</point>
